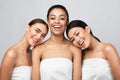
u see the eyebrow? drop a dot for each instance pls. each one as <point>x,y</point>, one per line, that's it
<point>60,15</point>
<point>71,39</point>
<point>38,29</point>
<point>74,32</point>
<point>52,15</point>
<point>41,31</point>
<point>63,15</point>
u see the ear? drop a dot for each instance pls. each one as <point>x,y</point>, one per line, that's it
<point>87,29</point>
<point>27,28</point>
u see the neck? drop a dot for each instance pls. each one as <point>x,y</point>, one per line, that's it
<point>94,44</point>
<point>24,45</point>
<point>57,39</point>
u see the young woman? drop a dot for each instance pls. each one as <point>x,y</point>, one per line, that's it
<point>57,58</point>
<point>100,60</point>
<point>16,64</point>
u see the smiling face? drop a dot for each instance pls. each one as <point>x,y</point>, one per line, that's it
<point>57,21</point>
<point>36,33</point>
<point>79,36</point>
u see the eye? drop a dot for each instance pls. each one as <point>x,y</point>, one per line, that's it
<point>52,18</point>
<point>37,30</point>
<point>62,18</point>
<point>77,34</point>
<point>43,35</point>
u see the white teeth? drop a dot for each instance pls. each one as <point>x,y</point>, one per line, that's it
<point>35,40</point>
<point>81,43</point>
<point>57,26</point>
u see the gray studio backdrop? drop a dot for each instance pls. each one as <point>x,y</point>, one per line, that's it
<point>103,16</point>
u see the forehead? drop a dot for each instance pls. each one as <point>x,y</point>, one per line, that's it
<point>72,31</point>
<point>57,11</point>
<point>40,26</point>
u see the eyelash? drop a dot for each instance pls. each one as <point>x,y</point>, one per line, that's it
<point>52,18</point>
<point>60,18</point>
<point>77,34</point>
<point>37,30</point>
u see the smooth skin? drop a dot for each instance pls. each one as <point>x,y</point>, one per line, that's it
<point>57,46</point>
<point>20,53</point>
<point>95,49</point>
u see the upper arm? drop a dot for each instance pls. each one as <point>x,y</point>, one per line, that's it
<point>36,54</point>
<point>113,59</point>
<point>77,69</point>
<point>7,65</point>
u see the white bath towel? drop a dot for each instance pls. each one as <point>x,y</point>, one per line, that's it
<point>96,69</point>
<point>56,69</point>
<point>21,73</point>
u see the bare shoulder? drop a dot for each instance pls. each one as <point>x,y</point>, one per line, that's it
<point>38,49</point>
<point>11,53</point>
<point>108,47</point>
<point>10,57</point>
<point>109,50</point>
<point>75,49</point>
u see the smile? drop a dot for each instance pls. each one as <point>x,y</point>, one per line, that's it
<point>81,42</point>
<point>57,27</point>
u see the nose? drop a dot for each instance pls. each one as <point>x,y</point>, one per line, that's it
<point>57,20</point>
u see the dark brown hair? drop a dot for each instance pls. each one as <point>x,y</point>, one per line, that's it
<point>60,7</point>
<point>37,20</point>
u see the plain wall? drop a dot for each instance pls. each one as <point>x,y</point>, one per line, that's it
<point>103,16</point>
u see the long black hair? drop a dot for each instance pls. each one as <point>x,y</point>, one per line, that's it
<point>78,23</point>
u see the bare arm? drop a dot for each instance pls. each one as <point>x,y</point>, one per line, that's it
<point>77,69</point>
<point>36,64</point>
<point>7,65</point>
<point>113,59</point>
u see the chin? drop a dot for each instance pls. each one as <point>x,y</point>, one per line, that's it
<point>33,44</point>
<point>84,47</point>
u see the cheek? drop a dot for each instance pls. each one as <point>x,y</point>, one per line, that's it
<point>88,41</point>
<point>65,23</point>
<point>30,34</point>
<point>70,34</point>
<point>50,22</point>
<point>82,35</point>
<point>87,37</point>
<point>41,39</point>
<point>75,43</point>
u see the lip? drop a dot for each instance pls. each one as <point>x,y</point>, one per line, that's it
<point>57,27</point>
<point>81,43</point>
<point>35,40</point>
